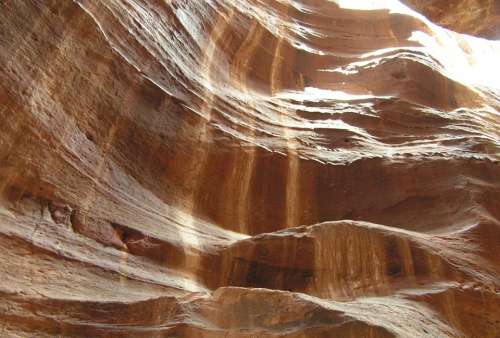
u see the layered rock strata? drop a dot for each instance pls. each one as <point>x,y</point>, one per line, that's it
<point>248,168</point>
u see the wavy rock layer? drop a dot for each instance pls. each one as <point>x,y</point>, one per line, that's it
<point>246,168</point>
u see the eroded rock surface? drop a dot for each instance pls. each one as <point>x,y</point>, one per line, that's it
<point>246,168</point>
<point>475,17</point>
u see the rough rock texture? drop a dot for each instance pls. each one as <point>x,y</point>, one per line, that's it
<point>249,168</point>
<point>475,17</point>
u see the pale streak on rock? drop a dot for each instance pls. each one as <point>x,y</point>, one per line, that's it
<point>293,180</point>
<point>241,177</point>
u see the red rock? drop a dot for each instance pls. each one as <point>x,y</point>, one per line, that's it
<point>248,168</point>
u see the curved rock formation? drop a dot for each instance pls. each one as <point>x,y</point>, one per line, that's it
<point>250,168</point>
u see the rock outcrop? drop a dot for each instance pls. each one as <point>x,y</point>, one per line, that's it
<point>248,168</point>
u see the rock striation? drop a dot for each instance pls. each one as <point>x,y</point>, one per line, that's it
<point>250,168</point>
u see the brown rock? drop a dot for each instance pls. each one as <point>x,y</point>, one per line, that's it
<point>97,229</point>
<point>475,17</point>
<point>304,168</point>
<point>60,212</point>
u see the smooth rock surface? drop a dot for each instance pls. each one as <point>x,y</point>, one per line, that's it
<point>250,168</point>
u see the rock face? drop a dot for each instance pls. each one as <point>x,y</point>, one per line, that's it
<point>475,17</point>
<point>246,168</point>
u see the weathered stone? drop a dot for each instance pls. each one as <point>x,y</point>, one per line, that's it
<point>97,229</point>
<point>304,168</point>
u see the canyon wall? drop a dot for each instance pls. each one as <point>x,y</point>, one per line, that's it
<point>246,168</point>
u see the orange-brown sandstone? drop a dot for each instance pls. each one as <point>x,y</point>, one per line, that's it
<point>247,168</point>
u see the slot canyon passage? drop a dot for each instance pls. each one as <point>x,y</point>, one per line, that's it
<point>249,168</point>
